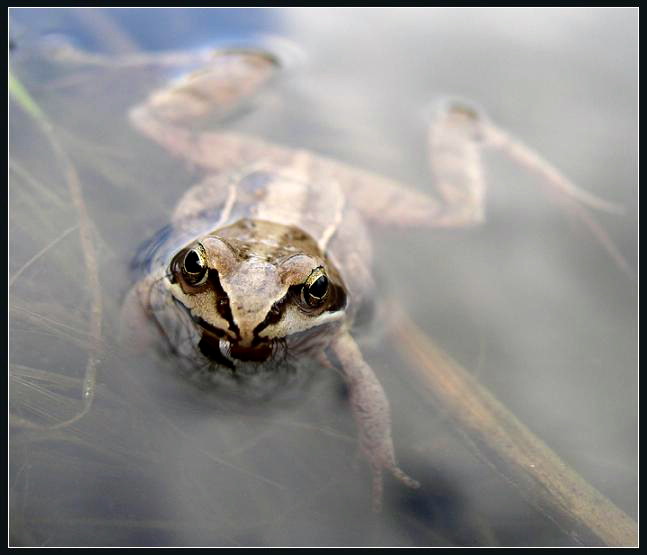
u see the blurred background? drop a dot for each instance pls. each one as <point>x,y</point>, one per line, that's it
<point>529,302</point>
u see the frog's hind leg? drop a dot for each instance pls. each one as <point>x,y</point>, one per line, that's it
<point>457,136</point>
<point>372,414</point>
<point>170,115</point>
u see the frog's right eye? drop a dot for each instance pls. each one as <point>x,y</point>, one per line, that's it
<point>194,266</point>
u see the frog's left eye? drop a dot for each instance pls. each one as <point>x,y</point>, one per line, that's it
<point>316,287</point>
<point>194,266</point>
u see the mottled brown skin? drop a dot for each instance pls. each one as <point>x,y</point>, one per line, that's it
<point>267,218</point>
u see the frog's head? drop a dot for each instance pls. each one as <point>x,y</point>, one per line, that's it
<point>249,286</point>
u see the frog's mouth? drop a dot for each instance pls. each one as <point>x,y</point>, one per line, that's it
<point>259,353</point>
<point>226,353</point>
<point>220,350</point>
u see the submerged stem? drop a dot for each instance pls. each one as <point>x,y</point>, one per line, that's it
<point>20,94</point>
<point>510,448</point>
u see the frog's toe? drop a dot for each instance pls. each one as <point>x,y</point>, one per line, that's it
<point>404,478</point>
<point>378,484</point>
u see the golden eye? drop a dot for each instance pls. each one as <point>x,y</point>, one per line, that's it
<point>194,266</point>
<point>315,288</point>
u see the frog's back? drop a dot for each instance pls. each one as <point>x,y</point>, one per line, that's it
<point>288,194</point>
<point>295,191</point>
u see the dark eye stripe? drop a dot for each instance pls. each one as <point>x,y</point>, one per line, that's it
<point>273,316</point>
<point>210,328</point>
<point>212,279</point>
<point>336,297</point>
<point>222,302</point>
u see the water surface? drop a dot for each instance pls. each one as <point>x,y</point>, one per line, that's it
<point>528,302</point>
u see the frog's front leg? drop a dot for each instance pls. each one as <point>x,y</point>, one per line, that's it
<point>372,414</point>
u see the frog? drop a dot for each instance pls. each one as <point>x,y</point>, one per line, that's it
<point>267,259</point>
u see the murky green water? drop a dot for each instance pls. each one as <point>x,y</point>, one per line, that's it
<point>528,302</point>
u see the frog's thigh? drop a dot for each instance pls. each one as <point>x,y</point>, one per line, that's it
<point>381,200</point>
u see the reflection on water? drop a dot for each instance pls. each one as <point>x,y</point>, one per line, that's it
<point>528,302</point>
